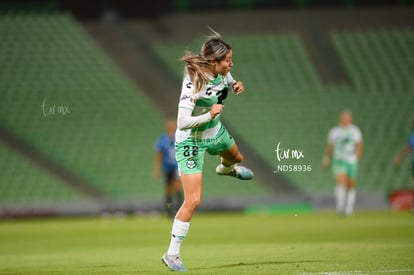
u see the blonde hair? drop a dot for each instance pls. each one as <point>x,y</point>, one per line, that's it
<point>198,66</point>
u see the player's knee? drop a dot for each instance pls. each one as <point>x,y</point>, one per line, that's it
<point>351,184</point>
<point>193,203</point>
<point>342,179</point>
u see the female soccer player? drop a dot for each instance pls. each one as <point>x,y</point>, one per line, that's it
<point>345,147</point>
<point>207,81</point>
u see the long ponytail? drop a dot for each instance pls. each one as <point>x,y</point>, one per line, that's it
<point>199,66</point>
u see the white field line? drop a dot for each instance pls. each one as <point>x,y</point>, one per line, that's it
<point>356,272</point>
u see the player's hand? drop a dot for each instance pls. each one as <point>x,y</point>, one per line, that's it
<point>216,109</point>
<point>238,87</point>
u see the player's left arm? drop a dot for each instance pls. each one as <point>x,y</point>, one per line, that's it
<point>358,144</point>
<point>236,85</point>
<point>358,150</point>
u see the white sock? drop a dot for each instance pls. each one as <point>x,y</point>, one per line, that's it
<point>225,169</point>
<point>178,233</point>
<point>340,196</point>
<point>350,201</point>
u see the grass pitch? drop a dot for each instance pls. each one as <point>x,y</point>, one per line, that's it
<point>303,244</point>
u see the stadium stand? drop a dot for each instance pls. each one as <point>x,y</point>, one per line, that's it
<point>380,64</point>
<point>22,182</point>
<point>62,95</point>
<point>285,101</point>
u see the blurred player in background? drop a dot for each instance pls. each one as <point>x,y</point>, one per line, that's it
<point>165,160</point>
<point>207,81</point>
<point>344,148</point>
<point>406,150</point>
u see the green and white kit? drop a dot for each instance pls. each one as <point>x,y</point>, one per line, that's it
<point>344,140</point>
<point>197,132</point>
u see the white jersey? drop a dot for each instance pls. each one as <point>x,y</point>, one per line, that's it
<point>344,140</point>
<point>215,92</point>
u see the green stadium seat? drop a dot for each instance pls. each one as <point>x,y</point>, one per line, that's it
<point>22,182</point>
<point>288,104</point>
<point>107,138</point>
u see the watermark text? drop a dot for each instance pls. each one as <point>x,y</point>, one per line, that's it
<point>290,154</point>
<point>53,109</point>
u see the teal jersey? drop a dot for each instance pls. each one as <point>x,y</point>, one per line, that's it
<point>215,92</point>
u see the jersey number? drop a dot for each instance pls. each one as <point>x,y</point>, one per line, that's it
<point>222,95</point>
<point>208,92</point>
<point>190,150</point>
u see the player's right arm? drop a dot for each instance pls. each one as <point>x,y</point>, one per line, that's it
<point>327,156</point>
<point>185,118</point>
<point>402,155</point>
<point>408,148</point>
<point>326,160</point>
<point>156,167</point>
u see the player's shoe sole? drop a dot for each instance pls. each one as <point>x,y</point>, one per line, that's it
<point>173,262</point>
<point>240,172</point>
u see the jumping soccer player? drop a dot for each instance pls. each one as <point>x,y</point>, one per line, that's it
<point>344,148</point>
<point>206,84</point>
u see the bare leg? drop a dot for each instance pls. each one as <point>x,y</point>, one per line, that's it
<point>340,193</point>
<point>351,196</point>
<point>231,156</point>
<point>192,186</point>
<point>229,159</point>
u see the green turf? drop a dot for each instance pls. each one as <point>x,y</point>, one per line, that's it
<point>306,243</point>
